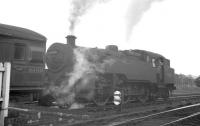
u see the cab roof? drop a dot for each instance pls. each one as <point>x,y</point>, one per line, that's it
<point>18,32</point>
<point>151,54</point>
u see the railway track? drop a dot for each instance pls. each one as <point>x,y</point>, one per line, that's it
<point>164,118</point>
<point>191,120</point>
<point>90,116</point>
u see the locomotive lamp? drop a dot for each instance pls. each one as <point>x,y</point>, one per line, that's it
<point>71,40</point>
<point>117,98</point>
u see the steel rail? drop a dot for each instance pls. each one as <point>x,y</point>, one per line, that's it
<point>181,120</point>
<point>151,115</point>
<point>106,119</point>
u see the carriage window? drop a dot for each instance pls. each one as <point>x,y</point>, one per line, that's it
<point>37,54</point>
<point>153,62</point>
<point>148,58</point>
<point>19,53</point>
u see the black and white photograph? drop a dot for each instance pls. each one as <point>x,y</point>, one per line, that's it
<point>100,63</point>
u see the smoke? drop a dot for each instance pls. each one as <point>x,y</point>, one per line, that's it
<point>78,9</point>
<point>88,63</point>
<point>135,12</point>
<point>136,9</point>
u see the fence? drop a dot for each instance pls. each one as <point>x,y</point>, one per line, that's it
<point>5,70</point>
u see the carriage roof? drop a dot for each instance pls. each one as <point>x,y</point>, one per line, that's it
<point>18,32</point>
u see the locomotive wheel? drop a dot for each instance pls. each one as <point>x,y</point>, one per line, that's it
<point>145,97</point>
<point>153,96</point>
<point>166,94</point>
<point>126,99</point>
<point>100,101</point>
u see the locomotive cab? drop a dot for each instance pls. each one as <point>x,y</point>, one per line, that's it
<point>164,74</point>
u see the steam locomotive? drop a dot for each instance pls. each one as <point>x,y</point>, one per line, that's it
<point>80,74</point>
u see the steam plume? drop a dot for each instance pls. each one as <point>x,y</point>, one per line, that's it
<point>79,8</point>
<point>135,12</point>
<point>83,76</point>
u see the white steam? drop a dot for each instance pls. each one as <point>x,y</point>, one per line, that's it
<point>83,76</point>
<point>135,12</point>
<point>79,8</point>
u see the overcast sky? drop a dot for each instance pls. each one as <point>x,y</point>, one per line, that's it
<point>167,27</point>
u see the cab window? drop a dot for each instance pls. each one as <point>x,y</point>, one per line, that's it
<point>153,62</point>
<point>167,62</point>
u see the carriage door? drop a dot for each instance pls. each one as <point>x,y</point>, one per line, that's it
<point>19,57</point>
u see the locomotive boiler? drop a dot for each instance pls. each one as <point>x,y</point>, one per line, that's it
<point>80,74</point>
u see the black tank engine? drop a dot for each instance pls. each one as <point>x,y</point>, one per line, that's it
<point>80,74</point>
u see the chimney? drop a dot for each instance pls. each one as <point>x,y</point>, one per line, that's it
<point>71,40</point>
